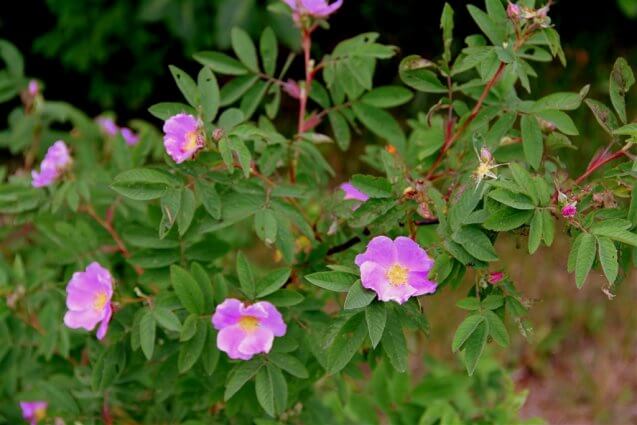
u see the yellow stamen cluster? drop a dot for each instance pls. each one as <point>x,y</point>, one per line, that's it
<point>248,323</point>
<point>397,275</point>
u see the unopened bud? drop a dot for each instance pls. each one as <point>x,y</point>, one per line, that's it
<point>485,155</point>
<point>513,11</point>
<point>218,134</point>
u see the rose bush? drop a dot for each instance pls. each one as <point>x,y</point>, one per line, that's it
<point>215,271</point>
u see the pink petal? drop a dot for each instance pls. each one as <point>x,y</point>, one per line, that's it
<point>274,320</point>
<point>411,255</point>
<point>86,319</point>
<point>101,331</point>
<point>228,340</point>
<point>227,313</point>
<point>421,283</point>
<point>257,341</point>
<point>380,250</point>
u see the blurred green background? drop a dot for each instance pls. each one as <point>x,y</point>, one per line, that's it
<point>579,362</point>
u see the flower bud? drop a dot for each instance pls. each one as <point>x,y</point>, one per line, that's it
<point>569,210</point>
<point>218,133</point>
<point>513,11</point>
<point>495,277</point>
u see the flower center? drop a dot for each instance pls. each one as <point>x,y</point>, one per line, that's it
<point>192,141</point>
<point>248,323</point>
<point>100,301</point>
<point>40,413</point>
<point>397,275</point>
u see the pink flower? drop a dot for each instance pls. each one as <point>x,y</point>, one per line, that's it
<point>183,137</point>
<point>129,136</point>
<point>33,411</point>
<point>495,277</point>
<point>351,192</point>
<point>55,162</point>
<point>396,270</point>
<point>292,88</point>
<point>108,126</point>
<point>246,331</point>
<point>88,299</point>
<point>569,210</point>
<point>33,88</point>
<point>513,10</point>
<point>314,8</point>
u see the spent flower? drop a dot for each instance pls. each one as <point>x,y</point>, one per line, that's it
<point>33,411</point>
<point>314,8</point>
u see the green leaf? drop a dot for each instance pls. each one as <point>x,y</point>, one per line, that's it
<point>246,276</point>
<point>210,354</point>
<point>394,343</point>
<point>617,234</point>
<point>346,344</point>
<point>187,290</point>
<point>221,63</point>
<point>203,280</point>
<point>208,93</point>
<point>470,303</point>
<point>376,317</point>
<point>374,187</point>
<point>332,281</point>
<point>209,197</point>
<point>189,328</point>
<point>387,96</point>
<point>186,212</point>
<point>381,123</point>
<point>535,232</point>
<point>476,243</point>
<point>525,181</point>
<point>272,282</point>
<point>143,184</point>
<point>271,390</point>
<point>497,329</point>
<point>265,225</point>
<point>340,128</point>
<point>464,331</point>
<point>492,302</point>
<point>548,227</point>
<point>563,101</point>
<point>165,110</point>
<point>511,199</point>
<point>603,114</point>
<point>186,85</point>
<point>632,210</point>
<point>561,120</point>
<point>446,24</point>
<point>289,364</point>
<point>358,297</point>
<point>147,327</point>
<point>494,31</point>
<point>585,258</point>
<point>532,142</point>
<point>621,79</point>
<point>507,219</point>
<point>627,130</point>
<point>244,48</point>
<point>608,258</point>
<point>190,351</point>
<point>170,205</point>
<point>572,255</point>
<point>241,374</point>
<point>167,319</point>
<point>414,73</point>
<point>269,50</point>
<point>474,345</point>
<point>107,368</point>
<point>285,298</point>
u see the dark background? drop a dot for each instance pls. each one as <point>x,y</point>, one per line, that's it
<point>113,54</point>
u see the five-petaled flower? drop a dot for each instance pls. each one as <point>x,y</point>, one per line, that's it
<point>33,411</point>
<point>88,299</point>
<point>183,137</point>
<point>55,162</point>
<point>352,193</point>
<point>395,269</point>
<point>486,166</point>
<point>247,330</point>
<point>313,8</point>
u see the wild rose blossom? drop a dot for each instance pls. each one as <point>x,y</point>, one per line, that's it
<point>569,210</point>
<point>33,411</point>
<point>495,277</point>
<point>314,8</point>
<point>108,126</point>
<point>88,299</point>
<point>55,162</point>
<point>395,269</point>
<point>129,136</point>
<point>246,331</point>
<point>183,137</point>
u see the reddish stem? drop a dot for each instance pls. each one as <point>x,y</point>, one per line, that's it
<point>594,165</point>
<point>451,138</point>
